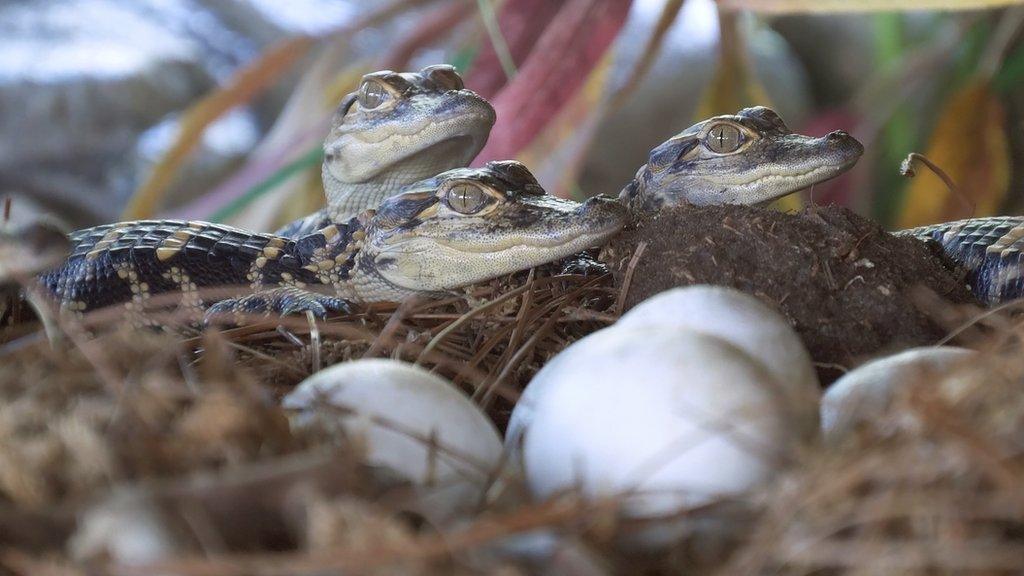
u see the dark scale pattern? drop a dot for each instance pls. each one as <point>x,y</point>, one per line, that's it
<point>107,261</point>
<point>990,250</point>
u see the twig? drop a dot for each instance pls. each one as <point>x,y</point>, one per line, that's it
<point>431,546</point>
<point>669,13</point>
<point>392,326</point>
<point>516,359</point>
<point>1002,39</point>
<point>466,318</point>
<point>974,320</point>
<point>627,280</point>
<point>907,170</point>
<point>314,341</point>
<point>508,64</point>
<point>443,19</point>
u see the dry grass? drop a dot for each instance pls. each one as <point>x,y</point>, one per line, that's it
<point>186,429</point>
<point>190,424</point>
<point>934,486</point>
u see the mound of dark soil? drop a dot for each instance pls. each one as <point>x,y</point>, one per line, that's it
<point>844,282</point>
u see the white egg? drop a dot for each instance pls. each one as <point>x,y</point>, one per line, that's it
<point>744,321</point>
<point>864,394</point>
<point>668,419</point>
<point>522,414</point>
<point>736,317</point>
<point>127,527</point>
<point>394,409</point>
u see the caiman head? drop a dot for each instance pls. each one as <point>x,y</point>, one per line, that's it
<point>468,225</point>
<point>747,158</point>
<point>397,129</point>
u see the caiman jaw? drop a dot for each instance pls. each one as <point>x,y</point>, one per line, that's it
<point>748,158</point>
<point>423,240</point>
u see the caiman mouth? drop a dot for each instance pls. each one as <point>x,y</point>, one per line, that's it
<point>589,238</point>
<point>437,157</point>
<point>590,224</point>
<point>822,159</point>
<point>460,136</point>
<point>815,175</point>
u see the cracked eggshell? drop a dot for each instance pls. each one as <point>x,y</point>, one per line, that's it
<point>745,322</point>
<point>390,407</point>
<point>668,419</point>
<point>864,394</point>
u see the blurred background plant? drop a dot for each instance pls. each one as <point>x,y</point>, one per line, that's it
<point>216,109</point>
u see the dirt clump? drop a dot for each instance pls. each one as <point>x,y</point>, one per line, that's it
<point>846,284</point>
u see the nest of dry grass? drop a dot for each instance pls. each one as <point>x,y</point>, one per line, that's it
<point>110,423</point>
<point>934,486</point>
<point>489,341</point>
<point>126,430</point>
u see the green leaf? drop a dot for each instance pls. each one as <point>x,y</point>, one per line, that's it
<point>312,158</point>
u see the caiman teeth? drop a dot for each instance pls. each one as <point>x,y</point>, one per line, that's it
<point>777,177</point>
<point>595,236</point>
<point>411,131</point>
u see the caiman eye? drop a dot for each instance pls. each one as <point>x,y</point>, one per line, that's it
<point>723,139</point>
<point>466,198</point>
<point>444,76</point>
<point>372,94</point>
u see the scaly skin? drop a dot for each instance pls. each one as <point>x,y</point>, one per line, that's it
<point>418,242</point>
<point>988,248</point>
<point>458,228</point>
<point>422,124</point>
<point>702,165</point>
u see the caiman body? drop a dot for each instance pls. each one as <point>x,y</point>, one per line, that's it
<point>443,232</point>
<point>457,228</point>
<point>430,234</point>
<point>989,250</point>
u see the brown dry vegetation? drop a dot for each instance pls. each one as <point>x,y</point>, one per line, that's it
<point>850,290</point>
<point>186,433</point>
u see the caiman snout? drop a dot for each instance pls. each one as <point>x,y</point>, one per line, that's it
<point>604,210</point>
<point>600,202</point>
<point>841,140</point>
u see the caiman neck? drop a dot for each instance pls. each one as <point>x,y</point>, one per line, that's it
<point>339,256</point>
<point>332,244</point>
<point>634,195</point>
<point>345,200</point>
<point>348,199</point>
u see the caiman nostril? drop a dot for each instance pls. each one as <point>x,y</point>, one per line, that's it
<point>604,208</point>
<point>596,201</point>
<point>841,141</point>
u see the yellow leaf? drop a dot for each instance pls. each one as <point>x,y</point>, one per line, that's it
<point>969,143</point>
<point>245,85</point>
<point>735,86</point>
